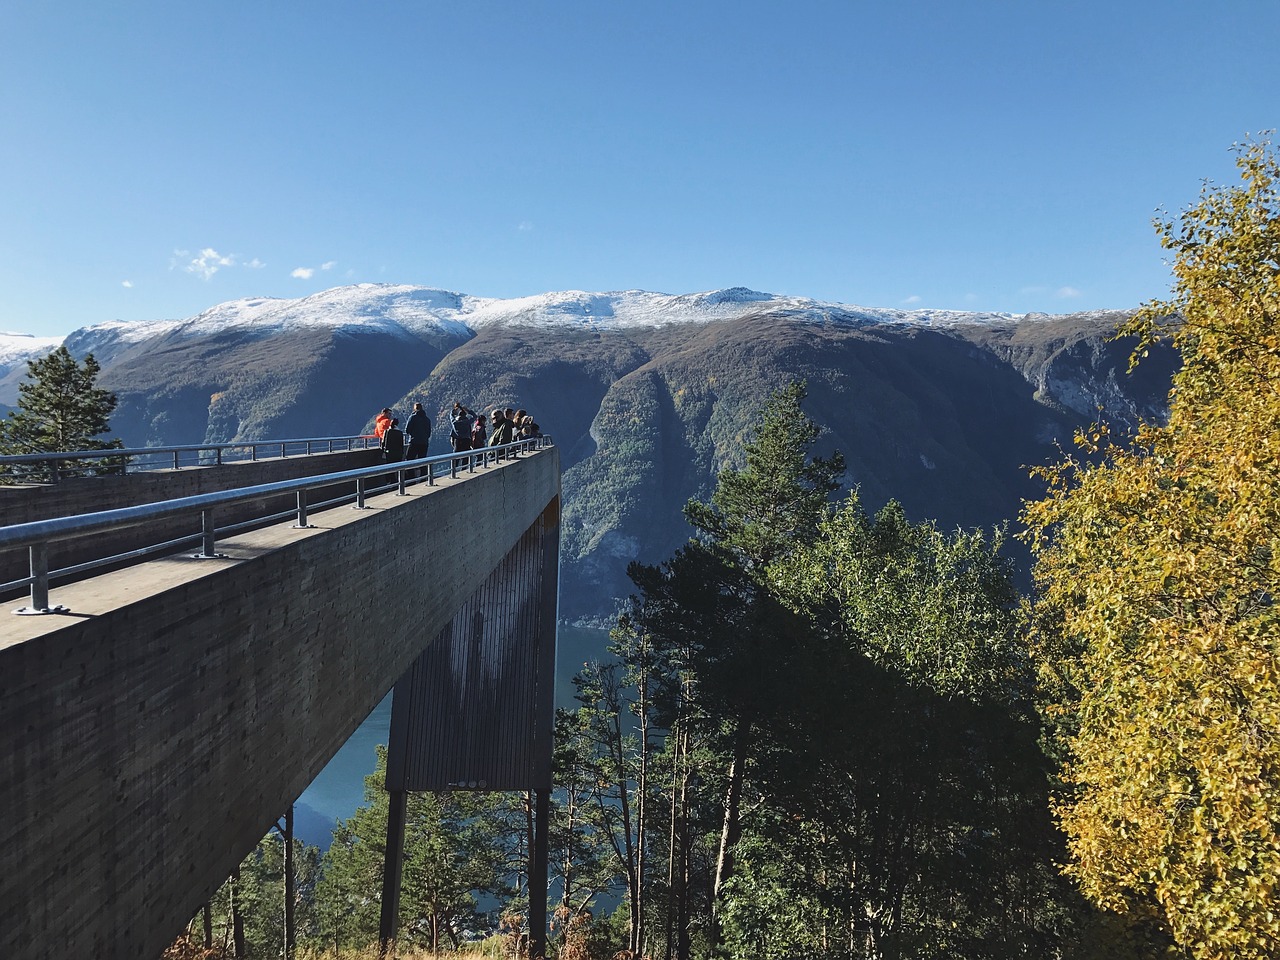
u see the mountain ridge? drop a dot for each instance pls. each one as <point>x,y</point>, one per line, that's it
<point>647,394</point>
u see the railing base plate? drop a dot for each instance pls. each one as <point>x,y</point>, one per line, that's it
<point>41,611</point>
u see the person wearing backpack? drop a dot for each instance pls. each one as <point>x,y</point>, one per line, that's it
<point>417,432</point>
<point>393,442</point>
<point>462,423</point>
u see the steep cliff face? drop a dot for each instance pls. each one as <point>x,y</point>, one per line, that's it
<point>947,422</point>
<point>1073,363</point>
<point>648,396</point>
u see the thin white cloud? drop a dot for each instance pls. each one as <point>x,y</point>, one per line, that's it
<point>206,263</point>
<point>303,273</point>
<point>1068,292</point>
<point>912,299</point>
<point>255,264</point>
<point>127,284</point>
<point>525,226</point>
<point>329,265</point>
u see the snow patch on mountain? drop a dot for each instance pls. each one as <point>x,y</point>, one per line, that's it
<point>16,348</point>
<point>415,312</point>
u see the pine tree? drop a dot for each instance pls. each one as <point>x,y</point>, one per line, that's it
<point>713,598</point>
<point>762,512</point>
<point>61,409</point>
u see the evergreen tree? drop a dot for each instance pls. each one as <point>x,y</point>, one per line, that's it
<point>761,512</point>
<point>710,610</point>
<point>455,850</point>
<point>1158,567</point>
<point>61,409</point>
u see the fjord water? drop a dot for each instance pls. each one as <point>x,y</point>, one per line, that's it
<point>339,788</point>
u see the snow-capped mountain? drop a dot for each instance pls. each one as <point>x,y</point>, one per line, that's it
<point>647,394</point>
<point>415,311</point>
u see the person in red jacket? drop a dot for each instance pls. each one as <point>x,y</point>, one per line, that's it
<point>381,422</point>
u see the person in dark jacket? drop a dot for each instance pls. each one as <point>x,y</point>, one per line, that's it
<point>479,433</point>
<point>461,422</point>
<point>393,442</point>
<point>502,429</point>
<point>417,432</point>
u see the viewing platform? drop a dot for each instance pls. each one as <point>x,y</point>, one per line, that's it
<point>163,714</point>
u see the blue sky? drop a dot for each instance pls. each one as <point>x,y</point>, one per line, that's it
<point>157,158</point>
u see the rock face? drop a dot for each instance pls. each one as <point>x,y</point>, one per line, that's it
<point>647,395</point>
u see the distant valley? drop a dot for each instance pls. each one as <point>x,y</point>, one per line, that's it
<point>646,394</point>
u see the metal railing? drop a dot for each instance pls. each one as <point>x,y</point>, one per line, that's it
<point>53,467</point>
<point>38,534</point>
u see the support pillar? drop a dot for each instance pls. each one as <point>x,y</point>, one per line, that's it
<point>538,875</point>
<point>398,803</point>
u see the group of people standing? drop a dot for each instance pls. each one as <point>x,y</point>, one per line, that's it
<point>468,430</point>
<point>471,431</point>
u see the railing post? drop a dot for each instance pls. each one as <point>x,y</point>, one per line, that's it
<point>302,511</point>
<point>253,452</point>
<point>453,469</point>
<point>175,461</point>
<point>359,493</point>
<point>431,474</point>
<point>400,482</point>
<point>39,576</point>
<point>471,462</point>
<point>207,534</point>
<point>39,553</point>
<point>217,456</point>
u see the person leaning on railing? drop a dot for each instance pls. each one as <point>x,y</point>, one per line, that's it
<point>502,429</point>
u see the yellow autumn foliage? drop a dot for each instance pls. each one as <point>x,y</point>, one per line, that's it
<point>1158,575</point>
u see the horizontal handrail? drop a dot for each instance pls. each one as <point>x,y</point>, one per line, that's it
<point>36,535</point>
<point>162,458</point>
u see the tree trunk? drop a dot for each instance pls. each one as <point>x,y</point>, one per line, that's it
<point>237,919</point>
<point>732,829</point>
<point>676,741</point>
<point>642,789</point>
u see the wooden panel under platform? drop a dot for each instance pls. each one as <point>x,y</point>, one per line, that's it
<point>476,709</point>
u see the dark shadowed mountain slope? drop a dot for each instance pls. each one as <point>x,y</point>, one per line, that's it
<point>946,421</point>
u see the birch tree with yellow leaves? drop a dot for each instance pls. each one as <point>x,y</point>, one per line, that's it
<point>1158,576</point>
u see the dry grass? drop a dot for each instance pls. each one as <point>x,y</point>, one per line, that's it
<point>490,949</point>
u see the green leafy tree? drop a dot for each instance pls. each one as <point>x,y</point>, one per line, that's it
<point>249,910</point>
<point>453,853</point>
<point>581,854</point>
<point>61,409</point>
<point>606,762</point>
<point>1158,567</point>
<point>916,814</point>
